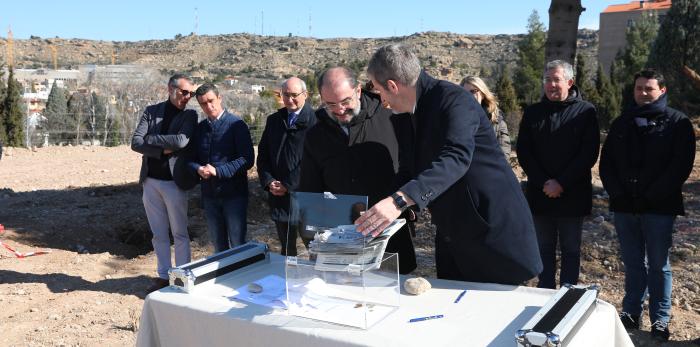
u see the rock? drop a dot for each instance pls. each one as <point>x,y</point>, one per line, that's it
<point>20,292</point>
<point>33,309</point>
<point>54,317</point>
<point>416,286</point>
<point>255,288</point>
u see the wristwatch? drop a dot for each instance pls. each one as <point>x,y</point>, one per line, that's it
<point>399,201</point>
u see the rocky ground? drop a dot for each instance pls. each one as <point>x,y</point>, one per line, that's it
<point>84,206</point>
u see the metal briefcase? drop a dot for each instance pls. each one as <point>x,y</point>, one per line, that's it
<point>189,275</point>
<point>560,318</point>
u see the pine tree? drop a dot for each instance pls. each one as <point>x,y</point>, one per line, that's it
<point>583,80</point>
<point>508,103</point>
<point>678,45</point>
<point>56,113</point>
<point>3,133</point>
<point>640,36</point>
<point>507,99</point>
<point>528,77</point>
<point>608,101</point>
<point>13,114</point>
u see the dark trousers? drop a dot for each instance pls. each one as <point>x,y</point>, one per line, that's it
<point>567,231</point>
<point>226,221</point>
<point>287,237</point>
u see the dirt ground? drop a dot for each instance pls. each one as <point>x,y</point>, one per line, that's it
<point>83,205</point>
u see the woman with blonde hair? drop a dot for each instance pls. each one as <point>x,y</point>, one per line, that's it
<point>489,103</point>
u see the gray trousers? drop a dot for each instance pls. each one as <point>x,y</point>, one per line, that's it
<point>166,209</point>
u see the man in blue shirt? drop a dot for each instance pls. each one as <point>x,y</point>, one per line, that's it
<point>223,155</point>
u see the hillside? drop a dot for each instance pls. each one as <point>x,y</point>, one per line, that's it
<point>447,55</point>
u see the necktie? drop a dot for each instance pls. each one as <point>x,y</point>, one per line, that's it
<point>292,118</point>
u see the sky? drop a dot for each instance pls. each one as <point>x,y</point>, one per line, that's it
<point>131,20</point>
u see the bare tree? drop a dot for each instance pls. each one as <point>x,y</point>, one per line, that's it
<point>563,30</point>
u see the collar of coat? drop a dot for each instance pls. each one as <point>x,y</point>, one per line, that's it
<point>303,116</point>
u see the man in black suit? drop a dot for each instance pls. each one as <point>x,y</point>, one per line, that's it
<point>485,231</point>
<point>279,156</point>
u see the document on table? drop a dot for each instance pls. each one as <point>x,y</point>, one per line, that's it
<point>273,292</point>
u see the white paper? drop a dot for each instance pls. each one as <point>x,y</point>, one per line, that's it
<point>273,292</point>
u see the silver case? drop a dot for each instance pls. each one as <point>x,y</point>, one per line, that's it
<point>566,327</point>
<point>187,276</point>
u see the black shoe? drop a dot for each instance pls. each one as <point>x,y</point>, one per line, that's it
<point>629,321</point>
<point>158,284</point>
<point>659,331</point>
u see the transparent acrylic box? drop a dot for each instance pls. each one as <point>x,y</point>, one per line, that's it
<point>355,288</point>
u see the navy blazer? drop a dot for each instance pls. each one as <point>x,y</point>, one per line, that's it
<point>226,145</point>
<point>460,174</point>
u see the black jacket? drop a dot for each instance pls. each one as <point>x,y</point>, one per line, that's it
<point>279,155</point>
<point>559,140</point>
<point>475,200</point>
<point>643,167</point>
<point>365,162</point>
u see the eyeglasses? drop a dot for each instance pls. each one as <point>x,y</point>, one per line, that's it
<point>185,93</point>
<point>548,80</point>
<point>345,103</point>
<point>291,95</point>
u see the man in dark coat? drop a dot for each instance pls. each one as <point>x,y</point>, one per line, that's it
<point>484,227</point>
<point>353,150</point>
<point>648,154</point>
<point>557,147</point>
<point>279,157</point>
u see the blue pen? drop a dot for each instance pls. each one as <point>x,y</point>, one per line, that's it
<point>459,297</point>
<point>420,319</point>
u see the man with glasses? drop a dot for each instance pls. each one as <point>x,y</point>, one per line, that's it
<point>279,155</point>
<point>557,146</point>
<point>161,135</point>
<point>647,156</point>
<point>484,229</point>
<point>353,149</point>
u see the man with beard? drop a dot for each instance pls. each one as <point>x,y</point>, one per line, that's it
<point>353,149</point>
<point>163,132</point>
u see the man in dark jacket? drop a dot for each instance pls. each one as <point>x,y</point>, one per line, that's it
<point>557,147</point>
<point>224,153</point>
<point>353,150</point>
<point>648,154</point>
<point>163,133</point>
<point>484,228</point>
<point>279,156</point>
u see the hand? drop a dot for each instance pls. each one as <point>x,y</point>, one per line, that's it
<point>277,188</point>
<point>552,188</point>
<point>167,151</point>
<point>203,172</point>
<point>377,218</point>
<point>211,169</point>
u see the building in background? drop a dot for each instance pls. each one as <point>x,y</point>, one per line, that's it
<point>615,20</point>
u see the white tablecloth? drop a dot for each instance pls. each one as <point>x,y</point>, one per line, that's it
<point>488,315</point>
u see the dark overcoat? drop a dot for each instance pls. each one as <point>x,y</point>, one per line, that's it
<point>643,167</point>
<point>363,162</point>
<point>461,175</point>
<point>559,140</point>
<point>279,155</point>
